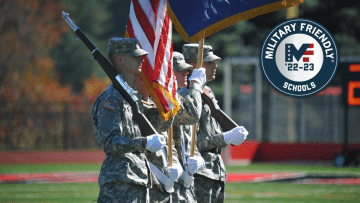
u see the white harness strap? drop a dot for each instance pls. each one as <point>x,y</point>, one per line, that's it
<point>147,196</point>
<point>169,183</point>
<point>188,179</point>
<point>164,179</point>
<point>183,143</point>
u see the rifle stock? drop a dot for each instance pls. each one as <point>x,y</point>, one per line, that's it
<point>225,121</point>
<point>119,83</point>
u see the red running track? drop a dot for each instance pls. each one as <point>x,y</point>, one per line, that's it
<point>231,178</point>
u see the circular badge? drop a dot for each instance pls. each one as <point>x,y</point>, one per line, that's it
<point>299,57</point>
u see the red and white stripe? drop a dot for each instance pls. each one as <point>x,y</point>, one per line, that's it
<point>150,24</point>
<point>308,52</point>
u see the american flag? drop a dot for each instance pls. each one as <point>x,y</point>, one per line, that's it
<point>150,24</point>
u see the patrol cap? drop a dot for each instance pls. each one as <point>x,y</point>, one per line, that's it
<point>190,51</point>
<point>118,45</point>
<point>179,62</point>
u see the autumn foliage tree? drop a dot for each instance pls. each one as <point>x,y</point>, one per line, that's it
<point>28,31</point>
<point>29,83</point>
<point>93,86</point>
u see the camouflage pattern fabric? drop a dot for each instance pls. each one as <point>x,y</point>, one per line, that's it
<point>210,182</point>
<point>120,192</point>
<point>152,114</point>
<point>183,195</point>
<point>118,45</point>
<point>188,115</point>
<point>121,140</point>
<point>159,159</point>
<point>161,162</point>
<point>191,104</point>
<point>210,142</point>
<point>179,62</point>
<point>159,196</point>
<point>208,190</point>
<point>191,51</point>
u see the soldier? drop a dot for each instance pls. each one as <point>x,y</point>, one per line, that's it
<point>190,108</point>
<point>125,175</point>
<point>190,99</point>
<point>165,175</point>
<point>210,182</point>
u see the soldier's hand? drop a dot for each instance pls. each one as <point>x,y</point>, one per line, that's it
<point>173,172</point>
<point>194,164</point>
<point>199,76</point>
<point>154,142</point>
<point>236,136</point>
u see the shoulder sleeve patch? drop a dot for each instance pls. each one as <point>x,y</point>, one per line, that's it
<point>208,92</point>
<point>110,105</point>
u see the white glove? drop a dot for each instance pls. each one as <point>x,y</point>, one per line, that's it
<point>198,75</point>
<point>194,164</point>
<point>173,172</point>
<point>154,142</point>
<point>235,136</point>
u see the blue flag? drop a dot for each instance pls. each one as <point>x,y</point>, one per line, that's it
<point>193,17</point>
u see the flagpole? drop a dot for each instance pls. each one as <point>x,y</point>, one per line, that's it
<point>170,144</point>
<point>292,12</point>
<point>199,65</point>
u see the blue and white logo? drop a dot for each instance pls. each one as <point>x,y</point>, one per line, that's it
<point>299,57</point>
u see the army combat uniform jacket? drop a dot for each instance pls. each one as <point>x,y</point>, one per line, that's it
<point>160,158</point>
<point>184,121</point>
<point>121,140</point>
<point>189,113</point>
<point>210,142</point>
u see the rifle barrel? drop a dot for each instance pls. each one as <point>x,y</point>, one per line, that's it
<point>69,21</point>
<point>119,83</point>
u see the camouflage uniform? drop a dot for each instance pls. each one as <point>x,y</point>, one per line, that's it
<point>183,123</point>
<point>125,174</point>
<point>188,115</point>
<point>126,193</point>
<point>158,193</point>
<point>121,140</point>
<point>210,182</point>
<point>190,51</point>
<point>210,142</point>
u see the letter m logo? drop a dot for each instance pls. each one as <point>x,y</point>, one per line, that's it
<point>291,52</point>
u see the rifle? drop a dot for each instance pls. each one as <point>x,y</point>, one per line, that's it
<point>226,123</point>
<point>119,83</point>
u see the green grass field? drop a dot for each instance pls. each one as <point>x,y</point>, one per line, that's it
<point>235,192</point>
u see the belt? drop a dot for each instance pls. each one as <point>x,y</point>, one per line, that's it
<point>215,150</point>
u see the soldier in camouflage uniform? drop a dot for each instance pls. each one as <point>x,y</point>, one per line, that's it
<point>190,100</point>
<point>125,175</point>
<point>190,107</point>
<point>210,182</point>
<point>164,175</point>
